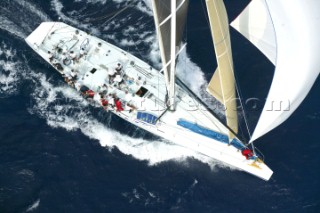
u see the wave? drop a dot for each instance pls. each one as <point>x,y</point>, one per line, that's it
<point>33,10</point>
<point>34,206</point>
<point>12,28</point>
<point>23,20</point>
<point>142,5</point>
<point>10,67</point>
<point>58,7</point>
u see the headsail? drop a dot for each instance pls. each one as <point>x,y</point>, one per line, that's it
<point>222,84</point>
<point>297,66</point>
<point>170,17</point>
<point>256,25</point>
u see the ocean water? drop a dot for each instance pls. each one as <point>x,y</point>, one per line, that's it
<point>60,154</point>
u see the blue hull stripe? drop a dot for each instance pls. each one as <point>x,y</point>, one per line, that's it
<point>210,133</point>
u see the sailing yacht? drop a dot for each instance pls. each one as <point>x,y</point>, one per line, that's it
<point>158,102</point>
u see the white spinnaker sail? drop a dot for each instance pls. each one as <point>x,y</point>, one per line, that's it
<point>297,29</point>
<point>170,39</point>
<point>256,25</point>
<point>222,84</point>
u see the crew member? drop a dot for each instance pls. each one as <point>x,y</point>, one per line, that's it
<point>247,153</point>
<point>50,56</point>
<point>89,94</point>
<point>73,56</point>
<point>119,105</point>
<point>119,68</point>
<point>104,102</point>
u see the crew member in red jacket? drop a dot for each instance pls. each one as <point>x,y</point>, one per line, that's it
<point>119,106</point>
<point>247,153</point>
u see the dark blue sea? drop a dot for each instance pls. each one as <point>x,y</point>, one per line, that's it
<point>60,154</point>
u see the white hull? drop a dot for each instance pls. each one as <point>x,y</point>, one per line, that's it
<point>105,56</point>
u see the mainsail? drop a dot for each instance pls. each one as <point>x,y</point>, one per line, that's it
<point>296,28</point>
<point>222,84</point>
<point>170,17</point>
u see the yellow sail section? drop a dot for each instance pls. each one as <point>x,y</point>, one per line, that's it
<point>214,87</point>
<point>222,84</point>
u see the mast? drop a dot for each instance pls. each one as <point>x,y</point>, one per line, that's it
<point>171,92</point>
<point>170,18</point>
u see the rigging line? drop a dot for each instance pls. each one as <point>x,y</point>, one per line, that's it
<point>48,32</point>
<point>135,45</point>
<point>259,152</point>
<point>146,25</point>
<point>240,96</point>
<point>240,99</point>
<point>241,129</point>
<point>239,93</point>
<point>115,15</point>
<point>101,17</point>
<point>149,23</point>
<point>89,14</point>
<point>242,106</point>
